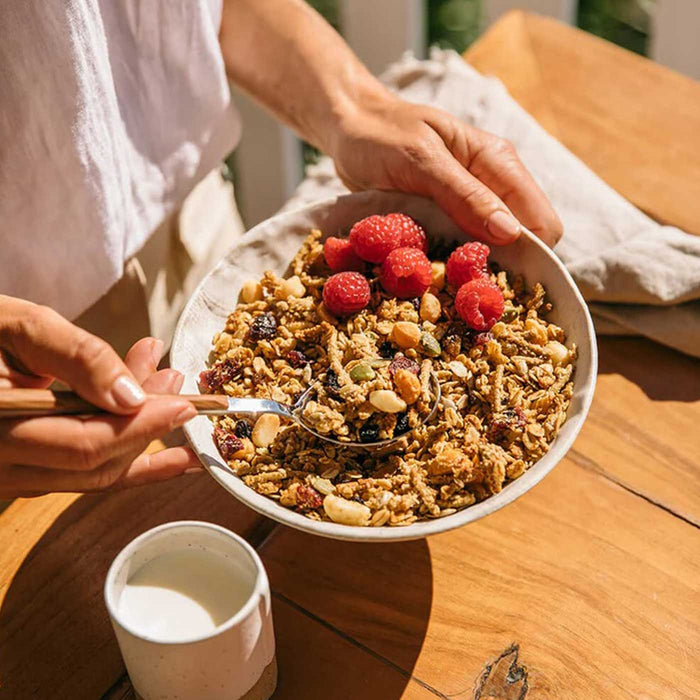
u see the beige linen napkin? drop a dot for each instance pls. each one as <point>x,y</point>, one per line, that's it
<point>639,277</point>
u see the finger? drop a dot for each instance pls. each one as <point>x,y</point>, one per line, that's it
<point>143,358</point>
<point>62,442</point>
<point>17,481</point>
<point>166,381</point>
<point>24,381</point>
<point>472,205</point>
<point>28,481</point>
<point>159,466</point>
<point>49,346</point>
<point>495,162</point>
<point>11,377</point>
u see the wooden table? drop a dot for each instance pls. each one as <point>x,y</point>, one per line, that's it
<point>586,588</point>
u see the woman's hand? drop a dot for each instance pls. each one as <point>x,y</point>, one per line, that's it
<point>65,453</point>
<point>474,176</point>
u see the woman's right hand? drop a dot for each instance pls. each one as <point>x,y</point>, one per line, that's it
<point>67,453</point>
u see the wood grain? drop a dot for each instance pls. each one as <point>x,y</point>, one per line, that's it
<point>642,428</point>
<point>634,122</point>
<point>55,636</point>
<point>598,587</point>
<point>315,663</point>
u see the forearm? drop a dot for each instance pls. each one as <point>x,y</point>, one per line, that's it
<point>284,54</point>
<point>289,59</point>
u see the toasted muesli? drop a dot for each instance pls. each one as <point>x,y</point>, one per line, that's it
<point>505,390</point>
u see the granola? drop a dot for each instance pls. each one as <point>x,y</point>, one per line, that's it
<point>505,394</point>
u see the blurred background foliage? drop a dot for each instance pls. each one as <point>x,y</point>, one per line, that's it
<point>624,22</point>
<point>455,24</point>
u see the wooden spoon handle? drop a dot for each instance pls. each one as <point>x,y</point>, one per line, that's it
<point>44,402</point>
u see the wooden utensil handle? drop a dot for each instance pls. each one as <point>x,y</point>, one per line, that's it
<point>44,402</point>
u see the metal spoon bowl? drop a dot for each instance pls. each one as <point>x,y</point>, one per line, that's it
<point>250,406</point>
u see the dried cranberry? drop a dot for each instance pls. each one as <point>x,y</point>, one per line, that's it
<point>403,362</point>
<point>207,380</point>
<point>386,350</point>
<point>308,498</point>
<point>482,338</point>
<point>223,372</point>
<point>517,415</point>
<point>402,425</point>
<point>263,327</point>
<point>228,444</point>
<point>243,429</point>
<point>296,358</point>
<point>369,432</point>
<point>509,419</point>
<point>477,338</point>
<point>456,329</point>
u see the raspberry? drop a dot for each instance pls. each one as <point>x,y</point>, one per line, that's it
<point>467,263</point>
<point>374,238</point>
<point>412,233</point>
<point>479,303</point>
<point>406,273</point>
<point>345,293</point>
<point>340,256</point>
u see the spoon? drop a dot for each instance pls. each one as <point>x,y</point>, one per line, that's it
<point>17,403</point>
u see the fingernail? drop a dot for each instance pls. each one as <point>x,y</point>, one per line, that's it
<point>503,226</point>
<point>127,393</point>
<point>193,470</point>
<point>183,416</point>
<point>157,351</point>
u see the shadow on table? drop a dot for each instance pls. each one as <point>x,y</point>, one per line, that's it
<point>661,373</point>
<point>55,636</point>
<point>56,639</point>
<point>366,610</point>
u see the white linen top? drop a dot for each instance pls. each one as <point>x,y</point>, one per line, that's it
<point>110,112</point>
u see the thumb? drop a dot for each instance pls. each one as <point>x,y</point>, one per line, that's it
<point>47,345</point>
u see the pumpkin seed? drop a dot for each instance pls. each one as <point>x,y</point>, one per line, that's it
<point>361,373</point>
<point>429,345</point>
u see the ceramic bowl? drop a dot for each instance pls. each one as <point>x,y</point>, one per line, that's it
<point>273,243</point>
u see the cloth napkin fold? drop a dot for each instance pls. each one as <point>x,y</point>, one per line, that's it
<point>639,277</point>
